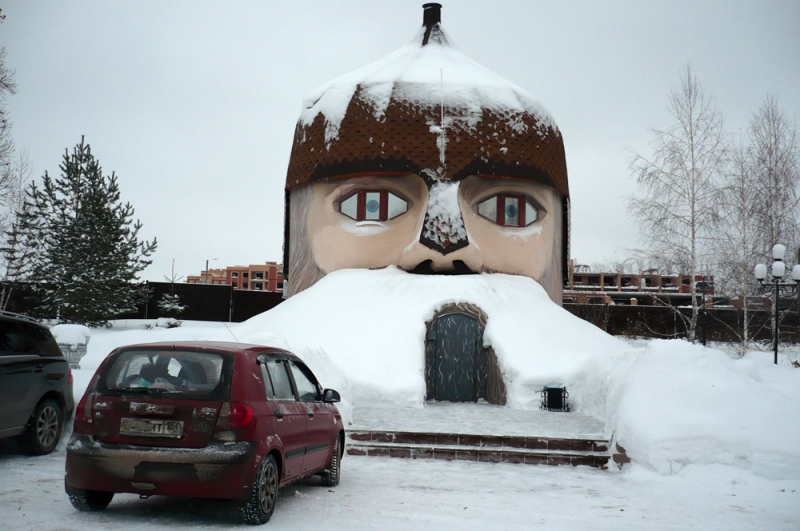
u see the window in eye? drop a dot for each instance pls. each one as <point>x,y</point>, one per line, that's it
<point>509,210</point>
<point>373,205</point>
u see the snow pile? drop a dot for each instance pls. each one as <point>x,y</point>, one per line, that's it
<point>371,324</point>
<point>426,76</point>
<point>71,334</point>
<point>673,403</point>
<point>668,403</point>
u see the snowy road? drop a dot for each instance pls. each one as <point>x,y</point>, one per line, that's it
<point>401,494</point>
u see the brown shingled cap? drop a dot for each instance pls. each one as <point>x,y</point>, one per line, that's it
<point>388,117</point>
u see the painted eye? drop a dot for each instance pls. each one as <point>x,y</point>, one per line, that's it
<point>509,210</point>
<point>373,205</point>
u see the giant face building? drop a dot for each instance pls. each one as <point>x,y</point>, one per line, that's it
<point>427,161</point>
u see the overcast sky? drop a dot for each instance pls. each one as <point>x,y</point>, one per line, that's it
<point>193,104</point>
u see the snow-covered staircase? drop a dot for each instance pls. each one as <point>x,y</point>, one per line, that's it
<point>484,448</point>
<point>478,432</point>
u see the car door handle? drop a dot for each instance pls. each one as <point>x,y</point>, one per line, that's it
<point>39,368</point>
<point>278,413</point>
<point>310,413</point>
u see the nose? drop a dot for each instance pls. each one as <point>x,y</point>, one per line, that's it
<point>418,253</point>
<point>443,227</point>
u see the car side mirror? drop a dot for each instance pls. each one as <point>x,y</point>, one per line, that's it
<point>330,396</point>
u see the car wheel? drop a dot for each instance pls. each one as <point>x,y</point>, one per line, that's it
<point>44,427</point>
<point>330,478</point>
<point>264,494</point>
<point>91,500</point>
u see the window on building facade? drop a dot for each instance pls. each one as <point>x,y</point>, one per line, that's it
<point>244,285</point>
<point>245,274</point>
<point>373,205</point>
<point>235,284</point>
<point>258,275</point>
<point>235,274</point>
<point>258,285</point>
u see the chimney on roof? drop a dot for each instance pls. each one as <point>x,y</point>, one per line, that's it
<point>432,14</point>
<point>431,21</point>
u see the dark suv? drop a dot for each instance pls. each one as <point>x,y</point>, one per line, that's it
<point>35,384</point>
<point>202,420</point>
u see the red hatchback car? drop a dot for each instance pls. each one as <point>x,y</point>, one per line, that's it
<point>202,420</point>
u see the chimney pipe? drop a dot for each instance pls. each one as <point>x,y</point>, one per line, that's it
<point>432,14</point>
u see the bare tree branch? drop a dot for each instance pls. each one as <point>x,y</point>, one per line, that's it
<point>675,205</point>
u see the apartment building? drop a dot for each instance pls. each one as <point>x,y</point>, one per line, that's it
<point>584,286</point>
<point>254,277</point>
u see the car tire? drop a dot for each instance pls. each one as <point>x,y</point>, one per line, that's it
<point>264,494</point>
<point>44,427</point>
<point>330,478</point>
<point>91,500</point>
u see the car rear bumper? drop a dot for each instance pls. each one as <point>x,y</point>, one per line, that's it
<point>220,470</point>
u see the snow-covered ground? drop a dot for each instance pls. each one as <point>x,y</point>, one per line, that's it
<point>402,494</point>
<point>713,439</point>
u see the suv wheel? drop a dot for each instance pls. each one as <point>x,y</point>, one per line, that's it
<point>44,427</point>
<point>264,494</point>
<point>91,500</point>
<point>330,478</point>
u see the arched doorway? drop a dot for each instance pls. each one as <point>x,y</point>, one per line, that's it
<point>458,368</point>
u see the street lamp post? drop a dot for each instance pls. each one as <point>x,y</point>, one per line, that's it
<point>777,284</point>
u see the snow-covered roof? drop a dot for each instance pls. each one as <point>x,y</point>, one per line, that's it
<point>422,75</point>
<point>426,109</point>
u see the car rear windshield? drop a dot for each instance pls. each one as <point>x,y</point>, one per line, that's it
<point>190,374</point>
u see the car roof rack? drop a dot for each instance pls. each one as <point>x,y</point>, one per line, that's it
<point>20,316</point>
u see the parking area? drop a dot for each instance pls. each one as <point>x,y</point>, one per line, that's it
<point>402,494</point>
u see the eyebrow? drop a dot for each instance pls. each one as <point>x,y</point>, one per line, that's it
<point>389,167</point>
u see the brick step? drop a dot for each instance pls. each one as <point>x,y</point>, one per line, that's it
<point>486,448</point>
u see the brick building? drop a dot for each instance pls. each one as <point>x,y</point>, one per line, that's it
<point>254,277</point>
<point>584,286</point>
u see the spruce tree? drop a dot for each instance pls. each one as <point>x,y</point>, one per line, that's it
<point>83,244</point>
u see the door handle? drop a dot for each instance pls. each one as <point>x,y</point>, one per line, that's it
<point>278,414</point>
<point>310,413</point>
<point>39,368</point>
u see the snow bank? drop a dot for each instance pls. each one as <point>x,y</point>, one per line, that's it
<point>371,324</point>
<point>674,403</point>
<point>669,403</point>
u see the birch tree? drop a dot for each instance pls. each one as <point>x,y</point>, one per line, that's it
<point>774,157</point>
<point>7,87</point>
<point>736,244</point>
<point>14,172</point>
<point>675,202</point>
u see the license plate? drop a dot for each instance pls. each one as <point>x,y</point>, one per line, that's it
<point>172,429</point>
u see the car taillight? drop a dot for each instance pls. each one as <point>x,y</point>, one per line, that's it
<point>83,414</point>
<point>70,379</point>
<point>232,416</point>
